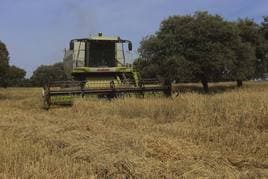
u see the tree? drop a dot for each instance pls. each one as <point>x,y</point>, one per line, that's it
<point>46,73</point>
<point>265,27</point>
<point>150,47</point>
<point>155,64</point>
<point>196,47</point>
<point>262,50</point>
<point>246,60</point>
<point>146,69</point>
<point>4,60</point>
<point>15,76</point>
<point>9,75</point>
<point>244,63</point>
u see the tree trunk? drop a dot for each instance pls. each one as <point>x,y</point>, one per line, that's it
<point>205,86</point>
<point>239,83</point>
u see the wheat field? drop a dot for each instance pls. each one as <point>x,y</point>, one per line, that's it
<point>220,135</point>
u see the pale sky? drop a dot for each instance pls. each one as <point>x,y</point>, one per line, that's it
<point>37,31</point>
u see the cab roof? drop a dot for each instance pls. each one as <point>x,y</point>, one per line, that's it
<point>100,37</point>
<point>115,38</point>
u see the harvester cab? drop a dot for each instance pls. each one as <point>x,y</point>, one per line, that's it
<point>97,66</point>
<point>98,60</point>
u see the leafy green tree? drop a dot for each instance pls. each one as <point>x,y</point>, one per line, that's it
<point>262,50</point>
<point>192,48</point>
<point>9,75</point>
<point>245,50</point>
<point>206,48</point>
<point>146,69</point>
<point>249,31</point>
<point>15,76</point>
<point>265,27</point>
<point>46,73</point>
<point>148,65</point>
<point>251,59</point>
<point>244,63</point>
<point>4,60</point>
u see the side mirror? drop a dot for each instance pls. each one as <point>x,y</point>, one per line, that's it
<point>129,46</point>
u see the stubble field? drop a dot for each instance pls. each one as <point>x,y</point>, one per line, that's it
<point>221,135</point>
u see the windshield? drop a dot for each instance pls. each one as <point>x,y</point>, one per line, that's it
<point>101,54</point>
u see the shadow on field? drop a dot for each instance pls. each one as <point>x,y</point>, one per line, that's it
<point>7,97</point>
<point>14,93</point>
<point>196,88</point>
<point>2,97</point>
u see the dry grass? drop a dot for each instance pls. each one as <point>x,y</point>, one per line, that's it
<point>223,135</point>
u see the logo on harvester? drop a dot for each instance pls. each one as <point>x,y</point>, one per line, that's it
<point>103,69</point>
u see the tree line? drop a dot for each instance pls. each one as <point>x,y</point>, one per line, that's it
<point>205,48</point>
<point>12,76</point>
<point>200,47</point>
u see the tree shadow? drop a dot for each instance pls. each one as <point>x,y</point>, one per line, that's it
<point>2,97</point>
<point>198,88</point>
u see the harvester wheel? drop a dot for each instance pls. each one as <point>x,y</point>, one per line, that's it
<point>112,94</point>
<point>46,99</point>
<point>141,93</point>
<point>174,92</point>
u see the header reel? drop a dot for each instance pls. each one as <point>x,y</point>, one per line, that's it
<point>64,92</point>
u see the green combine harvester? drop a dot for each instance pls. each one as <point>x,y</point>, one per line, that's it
<point>96,66</point>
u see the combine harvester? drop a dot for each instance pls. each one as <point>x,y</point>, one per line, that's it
<point>96,66</point>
